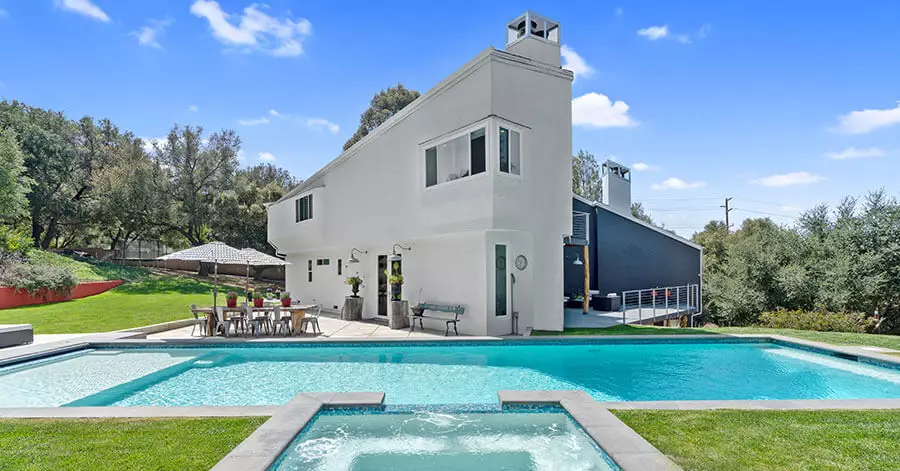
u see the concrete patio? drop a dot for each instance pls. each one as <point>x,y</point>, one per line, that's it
<point>602,319</point>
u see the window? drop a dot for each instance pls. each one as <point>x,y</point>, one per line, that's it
<point>309,270</point>
<point>457,158</point>
<point>339,267</point>
<point>304,208</point>
<point>323,262</point>
<point>510,158</point>
<point>500,280</point>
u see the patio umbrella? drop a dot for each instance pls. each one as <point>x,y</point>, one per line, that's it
<point>259,259</point>
<point>213,252</point>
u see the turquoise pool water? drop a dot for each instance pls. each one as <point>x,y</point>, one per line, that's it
<point>545,441</point>
<point>441,374</point>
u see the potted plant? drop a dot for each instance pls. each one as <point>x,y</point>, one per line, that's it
<point>231,299</point>
<point>396,282</point>
<point>285,299</point>
<point>258,299</point>
<point>355,283</point>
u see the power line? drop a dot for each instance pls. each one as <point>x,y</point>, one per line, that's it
<point>763,202</point>
<point>686,208</point>
<point>765,213</point>
<point>681,199</point>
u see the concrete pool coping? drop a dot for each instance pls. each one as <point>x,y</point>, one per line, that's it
<point>624,446</point>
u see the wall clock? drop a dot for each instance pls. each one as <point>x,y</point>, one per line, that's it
<point>521,262</point>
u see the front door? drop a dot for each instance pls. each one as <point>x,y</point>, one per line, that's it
<point>382,285</point>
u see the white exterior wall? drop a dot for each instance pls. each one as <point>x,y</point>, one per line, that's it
<point>374,195</point>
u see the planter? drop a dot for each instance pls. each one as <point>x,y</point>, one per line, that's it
<point>285,302</point>
<point>231,302</point>
<point>258,302</point>
<point>353,307</point>
<point>399,315</point>
<point>355,289</point>
<point>395,291</point>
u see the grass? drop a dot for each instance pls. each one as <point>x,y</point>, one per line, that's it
<point>86,269</point>
<point>149,300</point>
<point>122,444</point>
<point>834,338</point>
<point>772,440</point>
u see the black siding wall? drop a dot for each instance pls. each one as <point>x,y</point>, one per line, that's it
<point>626,255</point>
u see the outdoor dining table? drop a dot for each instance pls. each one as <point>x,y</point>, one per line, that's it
<point>298,311</point>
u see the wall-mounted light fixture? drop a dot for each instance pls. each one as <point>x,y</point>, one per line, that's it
<point>396,256</point>
<point>577,261</point>
<point>353,258</point>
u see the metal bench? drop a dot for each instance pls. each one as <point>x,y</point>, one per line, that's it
<point>455,309</point>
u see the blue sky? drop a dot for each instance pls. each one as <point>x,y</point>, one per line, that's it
<point>778,104</point>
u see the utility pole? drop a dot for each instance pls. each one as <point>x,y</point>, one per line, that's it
<point>727,210</point>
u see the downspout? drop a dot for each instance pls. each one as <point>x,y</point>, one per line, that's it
<point>512,304</point>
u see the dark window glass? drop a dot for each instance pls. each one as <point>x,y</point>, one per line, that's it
<point>431,167</point>
<point>504,150</point>
<point>304,208</point>
<point>339,267</point>
<point>500,270</point>
<point>478,152</point>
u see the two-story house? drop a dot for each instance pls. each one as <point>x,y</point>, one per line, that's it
<point>466,192</point>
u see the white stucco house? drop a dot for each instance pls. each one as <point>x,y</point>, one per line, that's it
<point>471,181</point>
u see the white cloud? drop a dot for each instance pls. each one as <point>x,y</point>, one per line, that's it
<point>677,184</point>
<point>320,124</point>
<point>193,108</point>
<point>146,35</point>
<point>642,167</point>
<point>788,179</point>
<point>594,110</point>
<point>266,157</point>
<point>147,143</point>
<point>854,153</point>
<point>276,114</point>
<point>575,63</point>
<point>654,32</point>
<point>253,121</point>
<point>619,12</point>
<point>256,30</point>
<point>83,7</point>
<point>861,122</point>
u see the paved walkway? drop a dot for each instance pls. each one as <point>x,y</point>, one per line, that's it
<point>331,328</point>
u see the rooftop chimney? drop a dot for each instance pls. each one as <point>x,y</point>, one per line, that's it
<point>615,182</point>
<point>534,37</point>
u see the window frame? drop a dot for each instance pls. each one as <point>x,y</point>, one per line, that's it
<point>424,147</point>
<point>521,132</point>
<point>309,198</point>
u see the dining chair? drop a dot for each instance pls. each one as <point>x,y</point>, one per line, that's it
<point>312,318</point>
<point>198,321</point>
<point>283,323</point>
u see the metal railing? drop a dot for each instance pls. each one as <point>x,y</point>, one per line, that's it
<point>661,302</point>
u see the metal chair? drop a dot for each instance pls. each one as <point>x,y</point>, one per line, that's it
<point>198,321</point>
<point>223,324</point>
<point>312,318</point>
<point>260,322</point>
<point>284,323</point>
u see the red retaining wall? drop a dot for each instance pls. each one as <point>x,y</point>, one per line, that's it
<point>9,297</point>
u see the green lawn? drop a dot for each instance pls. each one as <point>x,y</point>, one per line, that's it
<point>149,300</point>
<point>772,440</point>
<point>120,444</point>
<point>834,338</point>
<point>86,269</point>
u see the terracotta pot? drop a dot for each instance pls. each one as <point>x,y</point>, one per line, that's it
<point>231,302</point>
<point>258,302</point>
<point>285,302</point>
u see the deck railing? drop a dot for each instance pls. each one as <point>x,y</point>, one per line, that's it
<point>655,302</point>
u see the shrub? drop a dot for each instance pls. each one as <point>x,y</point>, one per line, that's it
<point>819,320</point>
<point>36,278</point>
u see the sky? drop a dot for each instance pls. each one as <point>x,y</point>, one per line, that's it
<point>778,105</point>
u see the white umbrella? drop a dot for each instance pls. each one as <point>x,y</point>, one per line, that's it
<point>259,259</point>
<point>213,252</point>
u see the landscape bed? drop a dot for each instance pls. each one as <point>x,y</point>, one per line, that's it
<point>433,373</point>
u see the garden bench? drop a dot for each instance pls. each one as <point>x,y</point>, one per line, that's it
<point>455,309</point>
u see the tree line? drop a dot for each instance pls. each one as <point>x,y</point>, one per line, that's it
<point>88,183</point>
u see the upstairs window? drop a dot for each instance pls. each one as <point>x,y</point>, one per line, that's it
<point>304,208</point>
<point>457,158</point>
<point>510,153</point>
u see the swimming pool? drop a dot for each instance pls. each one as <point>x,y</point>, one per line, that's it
<point>441,373</point>
<point>528,441</point>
